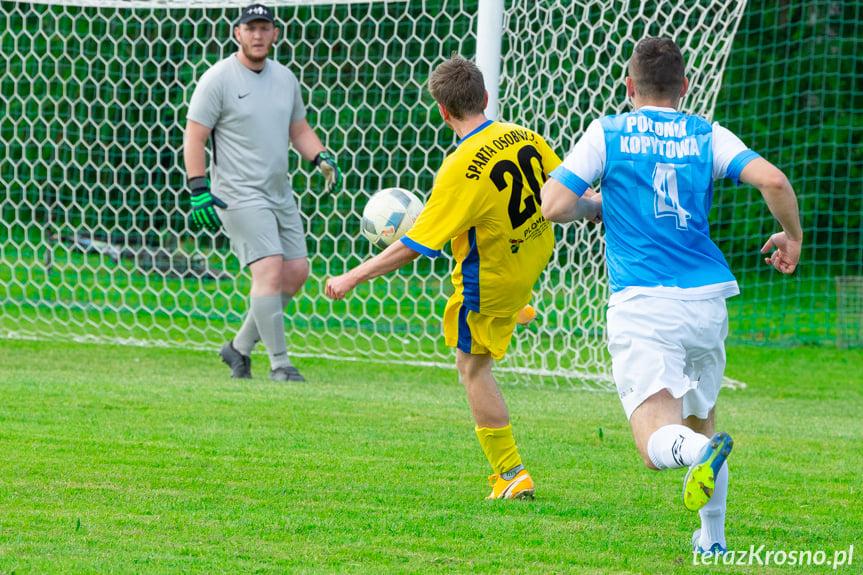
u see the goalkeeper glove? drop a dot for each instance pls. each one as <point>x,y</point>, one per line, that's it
<point>203,213</point>
<point>330,169</point>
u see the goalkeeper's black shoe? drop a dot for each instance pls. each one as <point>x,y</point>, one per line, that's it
<point>241,365</point>
<point>286,374</point>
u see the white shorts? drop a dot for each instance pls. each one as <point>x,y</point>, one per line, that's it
<point>659,343</point>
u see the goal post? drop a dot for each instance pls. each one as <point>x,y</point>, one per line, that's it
<point>489,35</point>
<point>94,244</point>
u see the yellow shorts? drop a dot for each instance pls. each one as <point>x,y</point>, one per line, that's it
<point>475,333</point>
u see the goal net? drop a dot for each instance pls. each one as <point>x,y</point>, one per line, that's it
<point>94,244</point>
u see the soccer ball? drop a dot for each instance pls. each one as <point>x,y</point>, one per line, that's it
<point>388,215</point>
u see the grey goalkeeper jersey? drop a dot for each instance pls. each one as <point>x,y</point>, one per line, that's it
<point>250,114</point>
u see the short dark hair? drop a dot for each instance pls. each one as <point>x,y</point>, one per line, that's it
<point>458,86</point>
<point>657,68</point>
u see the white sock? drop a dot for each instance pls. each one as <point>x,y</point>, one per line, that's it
<point>673,446</point>
<point>713,513</point>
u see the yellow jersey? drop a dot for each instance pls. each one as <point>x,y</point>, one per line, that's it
<point>486,200</point>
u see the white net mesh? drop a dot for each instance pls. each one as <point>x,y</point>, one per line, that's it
<point>93,238</point>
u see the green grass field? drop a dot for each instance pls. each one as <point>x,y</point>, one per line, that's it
<point>134,460</point>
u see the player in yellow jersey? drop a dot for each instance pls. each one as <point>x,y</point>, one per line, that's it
<point>486,202</point>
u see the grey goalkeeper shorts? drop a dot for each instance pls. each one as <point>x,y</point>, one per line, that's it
<point>257,232</point>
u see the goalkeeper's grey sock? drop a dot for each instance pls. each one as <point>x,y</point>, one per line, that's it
<point>673,446</point>
<point>713,512</point>
<point>270,321</point>
<point>248,336</point>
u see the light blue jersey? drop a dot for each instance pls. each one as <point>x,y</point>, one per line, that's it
<point>657,168</point>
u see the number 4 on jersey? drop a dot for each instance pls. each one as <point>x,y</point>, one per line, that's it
<point>666,201</point>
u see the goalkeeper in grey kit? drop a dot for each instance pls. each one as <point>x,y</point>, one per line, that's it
<point>251,110</point>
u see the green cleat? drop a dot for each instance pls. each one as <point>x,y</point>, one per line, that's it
<point>700,479</point>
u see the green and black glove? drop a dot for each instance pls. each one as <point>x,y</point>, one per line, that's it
<point>330,169</point>
<point>203,214</point>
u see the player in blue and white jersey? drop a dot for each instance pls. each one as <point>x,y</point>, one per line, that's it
<point>667,319</point>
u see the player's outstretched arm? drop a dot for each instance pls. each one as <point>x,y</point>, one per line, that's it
<point>562,205</point>
<point>391,259</point>
<point>784,247</point>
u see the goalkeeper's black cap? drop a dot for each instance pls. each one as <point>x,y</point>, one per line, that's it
<point>256,12</point>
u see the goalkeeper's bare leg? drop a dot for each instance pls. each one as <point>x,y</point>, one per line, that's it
<point>491,416</point>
